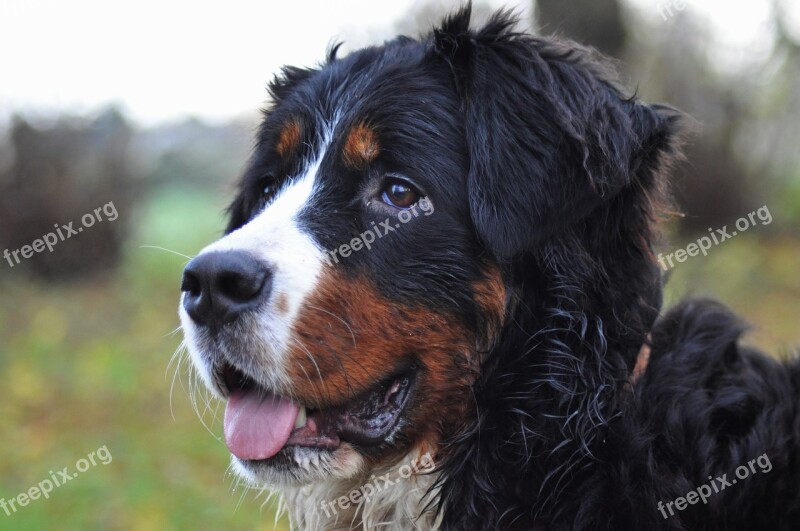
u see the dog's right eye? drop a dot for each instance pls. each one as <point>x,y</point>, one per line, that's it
<point>398,194</point>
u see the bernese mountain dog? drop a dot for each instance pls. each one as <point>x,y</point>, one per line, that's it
<point>437,305</point>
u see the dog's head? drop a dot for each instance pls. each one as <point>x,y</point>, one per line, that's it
<point>412,213</point>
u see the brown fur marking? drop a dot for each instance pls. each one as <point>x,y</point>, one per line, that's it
<point>359,338</point>
<point>490,295</point>
<point>289,138</point>
<point>361,147</point>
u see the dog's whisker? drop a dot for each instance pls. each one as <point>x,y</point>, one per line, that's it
<point>349,356</point>
<point>345,323</point>
<point>316,366</point>
<point>336,355</point>
<point>313,385</point>
<point>281,509</point>
<point>166,250</point>
<point>170,334</point>
<point>241,499</point>
<point>179,353</point>
<point>194,385</point>
<point>176,356</point>
<point>216,410</point>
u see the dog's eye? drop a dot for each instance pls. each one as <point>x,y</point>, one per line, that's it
<point>399,195</point>
<point>267,185</point>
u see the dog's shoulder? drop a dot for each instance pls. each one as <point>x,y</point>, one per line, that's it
<point>703,377</point>
<point>707,405</point>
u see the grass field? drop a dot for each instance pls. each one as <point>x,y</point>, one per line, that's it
<point>86,365</point>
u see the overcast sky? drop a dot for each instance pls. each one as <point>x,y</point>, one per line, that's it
<point>167,59</point>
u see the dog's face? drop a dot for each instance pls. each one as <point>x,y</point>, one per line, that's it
<point>391,211</point>
<point>342,314</point>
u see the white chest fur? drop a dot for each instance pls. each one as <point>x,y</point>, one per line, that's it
<point>391,499</point>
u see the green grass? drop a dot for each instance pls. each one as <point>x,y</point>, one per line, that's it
<point>85,365</point>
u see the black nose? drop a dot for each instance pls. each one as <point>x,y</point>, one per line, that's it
<point>219,286</point>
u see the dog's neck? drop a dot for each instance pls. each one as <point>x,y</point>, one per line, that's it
<point>390,499</point>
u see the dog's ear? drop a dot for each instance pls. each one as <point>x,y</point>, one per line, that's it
<point>550,137</point>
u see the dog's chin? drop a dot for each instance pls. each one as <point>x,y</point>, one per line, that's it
<point>296,466</point>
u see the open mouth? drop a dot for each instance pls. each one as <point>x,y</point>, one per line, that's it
<point>260,424</point>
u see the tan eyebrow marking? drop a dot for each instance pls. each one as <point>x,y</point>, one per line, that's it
<point>289,138</point>
<point>362,146</point>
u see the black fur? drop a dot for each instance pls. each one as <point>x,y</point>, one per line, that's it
<point>540,165</point>
<point>565,178</point>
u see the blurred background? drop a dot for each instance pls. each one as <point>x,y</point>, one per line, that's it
<point>152,107</point>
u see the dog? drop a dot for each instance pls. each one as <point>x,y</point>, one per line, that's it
<point>437,305</point>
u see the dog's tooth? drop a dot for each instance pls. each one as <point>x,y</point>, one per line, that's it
<point>301,418</point>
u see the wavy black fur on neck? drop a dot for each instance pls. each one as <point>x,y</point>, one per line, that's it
<point>578,263</point>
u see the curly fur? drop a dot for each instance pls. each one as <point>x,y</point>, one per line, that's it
<point>558,440</point>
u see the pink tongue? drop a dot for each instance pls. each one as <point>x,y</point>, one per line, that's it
<point>258,426</point>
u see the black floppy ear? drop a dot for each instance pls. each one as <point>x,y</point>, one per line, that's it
<point>550,137</point>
